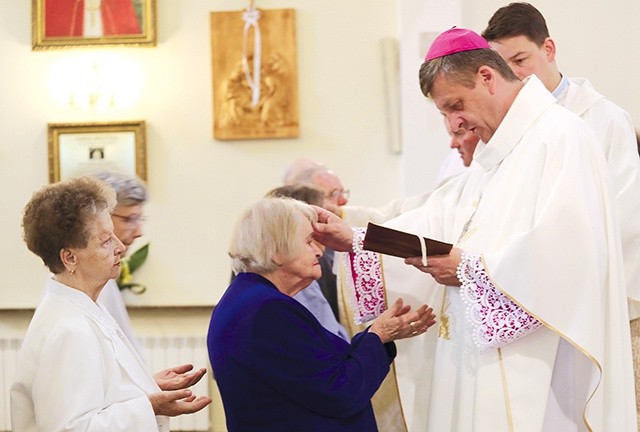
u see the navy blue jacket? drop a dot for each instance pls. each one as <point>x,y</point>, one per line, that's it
<point>278,369</point>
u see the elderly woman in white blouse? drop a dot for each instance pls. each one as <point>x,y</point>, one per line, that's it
<point>76,369</point>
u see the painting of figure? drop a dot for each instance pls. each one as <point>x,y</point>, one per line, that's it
<point>62,23</point>
<point>92,18</point>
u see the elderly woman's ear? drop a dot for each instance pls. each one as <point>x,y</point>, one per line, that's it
<point>278,259</point>
<point>68,258</point>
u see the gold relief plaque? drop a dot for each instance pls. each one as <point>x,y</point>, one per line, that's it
<point>240,111</point>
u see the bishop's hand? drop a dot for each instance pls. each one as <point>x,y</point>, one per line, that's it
<point>441,267</point>
<point>332,232</point>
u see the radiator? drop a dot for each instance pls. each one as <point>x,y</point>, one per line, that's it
<point>161,352</point>
<point>8,351</point>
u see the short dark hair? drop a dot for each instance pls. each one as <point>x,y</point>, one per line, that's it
<point>517,19</point>
<point>462,67</point>
<point>300,192</point>
<point>60,215</point>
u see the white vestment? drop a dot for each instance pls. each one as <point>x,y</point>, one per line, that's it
<point>451,166</point>
<point>77,371</point>
<point>358,215</point>
<point>535,208</point>
<point>112,300</point>
<point>616,134</point>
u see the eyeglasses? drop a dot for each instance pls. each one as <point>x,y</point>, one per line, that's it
<point>131,220</point>
<point>335,194</point>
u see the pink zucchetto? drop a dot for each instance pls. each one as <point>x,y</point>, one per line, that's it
<point>455,40</point>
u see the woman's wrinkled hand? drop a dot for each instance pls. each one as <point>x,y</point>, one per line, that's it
<point>400,322</point>
<point>177,402</point>
<point>178,377</point>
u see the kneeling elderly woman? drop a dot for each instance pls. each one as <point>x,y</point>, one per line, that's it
<point>276,367</point>
<point>76,370</point>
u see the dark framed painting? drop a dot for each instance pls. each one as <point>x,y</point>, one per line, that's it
<point>77,149</point>
<point>85,23</point>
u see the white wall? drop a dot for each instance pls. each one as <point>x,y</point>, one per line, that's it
<point>426,141</point>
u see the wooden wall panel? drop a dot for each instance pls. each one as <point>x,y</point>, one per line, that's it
<point>276,113</point>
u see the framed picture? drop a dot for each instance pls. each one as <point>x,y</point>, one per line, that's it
<point>76,23</point>
<point>77,149</point>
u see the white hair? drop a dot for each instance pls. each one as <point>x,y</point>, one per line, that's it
<point>267,228</point>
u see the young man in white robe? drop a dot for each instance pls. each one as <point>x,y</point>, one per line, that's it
<point>519,33</point>
<point>533,319</point>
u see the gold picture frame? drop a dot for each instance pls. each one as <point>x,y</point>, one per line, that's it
<point>77,149</point>
<point>61,23</point>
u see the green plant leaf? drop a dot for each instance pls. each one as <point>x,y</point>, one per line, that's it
<point>138,258</point>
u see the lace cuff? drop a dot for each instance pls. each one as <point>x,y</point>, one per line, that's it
<point>367,292</point>
<point>496,321</point>
<point>357,241</point>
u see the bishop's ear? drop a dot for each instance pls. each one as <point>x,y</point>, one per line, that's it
<point>487,78</point>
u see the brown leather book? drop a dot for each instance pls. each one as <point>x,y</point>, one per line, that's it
<point>400,244</point>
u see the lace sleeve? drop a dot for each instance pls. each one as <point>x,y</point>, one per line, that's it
<point>496,321</point>
<point>367,292</point>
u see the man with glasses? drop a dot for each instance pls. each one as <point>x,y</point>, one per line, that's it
<point>311,173</point>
